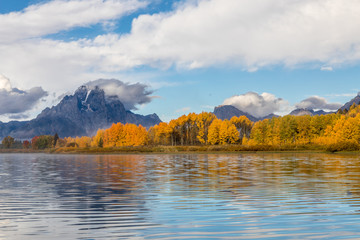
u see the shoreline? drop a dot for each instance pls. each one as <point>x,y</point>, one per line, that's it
<point>174,150</point>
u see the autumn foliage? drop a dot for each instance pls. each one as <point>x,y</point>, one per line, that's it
<point>119,135</point>
<point>333,132</point>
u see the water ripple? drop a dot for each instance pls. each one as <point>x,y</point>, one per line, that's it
<point>189,196</point>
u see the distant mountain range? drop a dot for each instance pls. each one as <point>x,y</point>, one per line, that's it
<point>81,114</point>
<point>228,111</point>
<point>306,111</point>
<point>88,110</point>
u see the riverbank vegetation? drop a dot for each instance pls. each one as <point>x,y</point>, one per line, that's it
<point>205,133</point>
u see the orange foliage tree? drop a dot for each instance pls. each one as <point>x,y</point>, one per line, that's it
<point>125,135</point>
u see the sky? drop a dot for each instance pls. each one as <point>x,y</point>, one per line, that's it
<point>181,56</point>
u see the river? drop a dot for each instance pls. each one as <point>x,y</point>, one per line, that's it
<point>185,196</point>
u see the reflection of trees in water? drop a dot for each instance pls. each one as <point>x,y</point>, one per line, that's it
<point>113,181</point>
<point>122,191</point>
<point>102,191</point>
<point>234,172</point>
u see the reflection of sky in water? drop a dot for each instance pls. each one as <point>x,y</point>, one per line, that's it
<point>278,196</point>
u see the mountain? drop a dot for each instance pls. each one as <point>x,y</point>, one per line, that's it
<point>228,111</point>
<point>81,114</point>
<point>306,111</point>
<point>6,128</point>
<point>355,100</point>
<point>270,116</point>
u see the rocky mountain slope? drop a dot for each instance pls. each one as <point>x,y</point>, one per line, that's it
<point>311,112</point>
<point>228,111</point>
<point>355,100</point>
<point>81,114</point>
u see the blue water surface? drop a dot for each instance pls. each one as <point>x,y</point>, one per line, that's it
<point>185,196</point>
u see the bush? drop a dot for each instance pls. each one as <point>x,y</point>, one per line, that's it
<point>343,146</point>
<point>8,141</point>
<point>26,144</point>
<point>72,144</point>
<point>42,142</point>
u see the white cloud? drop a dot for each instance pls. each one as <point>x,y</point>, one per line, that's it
<point>342,95</point>
<point>250,34</point>
<point>208,107</point>
<point>182,110</point>
<point>316,102</point>
<point>14,100</point>
<point>129,94</point>
<point>19,116</point>
<point>5,83</point>
<point>58,15</point>
<point>326,68</point>
<point>258,105</point>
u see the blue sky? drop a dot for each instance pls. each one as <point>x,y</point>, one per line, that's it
<point>194,54</point>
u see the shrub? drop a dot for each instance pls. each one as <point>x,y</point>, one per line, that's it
<point>343,146</point>
<point>26,144</point>
<point>72,144</point>
<point>42,142</point>
<point>8,141</point>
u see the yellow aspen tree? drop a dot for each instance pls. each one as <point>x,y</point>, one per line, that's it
<point>338,129</point>
<point>114,136</point>
<point>259,133</point>
<point>214,130</point>
<point>243,126</point>
<point>141,136</point>
<point>203,121</point>
<point>162,133</point>
<point>98,139</point>
<point>351,129</point>
<point>304,135</point>
<point>233,134</point>
<point>83,142</point>
<point>223,132</point>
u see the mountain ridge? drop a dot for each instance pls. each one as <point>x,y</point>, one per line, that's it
<point>347,105</point>
<point>228,111</point>
<point>80,114</point>
<point>310,112</point>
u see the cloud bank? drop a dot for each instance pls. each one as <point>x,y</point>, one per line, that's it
<point>249,34</point>
<point>258,105</point>
<point>129,94</point>
<point>17,101</point>
<point>316,102</point>
<point>59,15</point>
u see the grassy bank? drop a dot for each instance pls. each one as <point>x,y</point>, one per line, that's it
<point>187,149</point>
<point>15,150</point>
<point>191,149</point>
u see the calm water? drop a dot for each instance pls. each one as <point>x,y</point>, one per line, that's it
<point>258,196</point>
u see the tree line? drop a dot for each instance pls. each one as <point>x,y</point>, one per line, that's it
<point>336,131</point>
